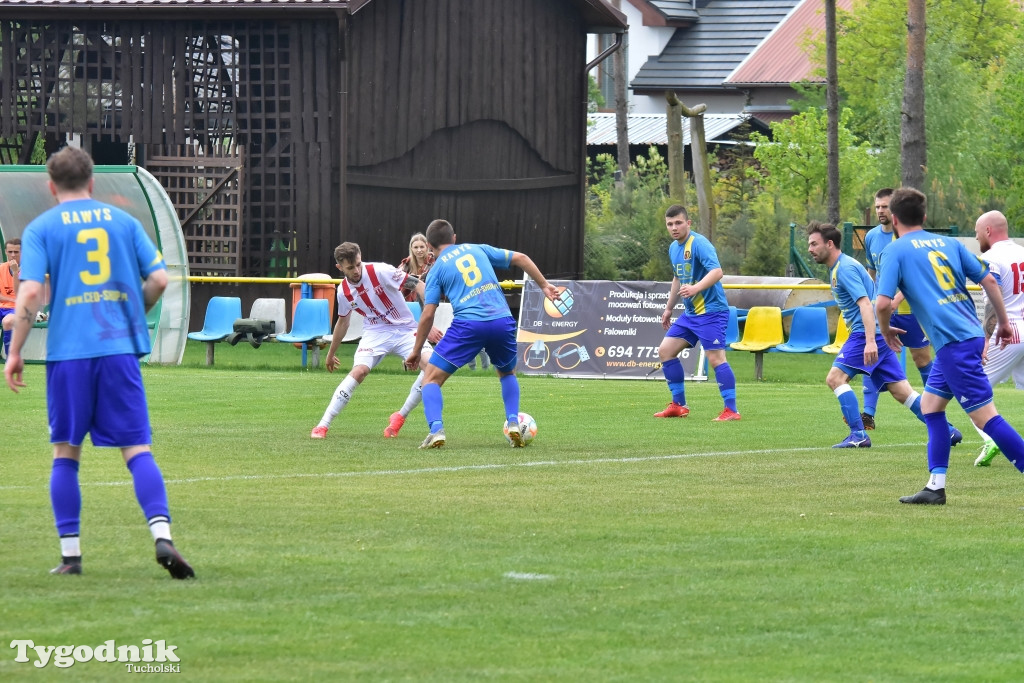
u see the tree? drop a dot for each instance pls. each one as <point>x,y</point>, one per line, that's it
<point>795,164</point>
<point>832,106</point>
<point>913,146</point>
<point>969,44</point>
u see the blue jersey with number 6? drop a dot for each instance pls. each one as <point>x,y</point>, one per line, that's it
<point>465,274</point>
<point>931,271</point>
<point>96,256</point>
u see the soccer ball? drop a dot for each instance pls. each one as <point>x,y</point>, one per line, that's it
<point>527,427</point>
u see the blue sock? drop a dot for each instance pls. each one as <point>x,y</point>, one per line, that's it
<point>675,376</point>
<point>433,404</point>
<point>1008,440</point>
<point>66,497</point>
<point>510,396</point>
<point>7,348</point>
<point>870,396</point>
<point>938,440</point>
<point>851,410</point>
<point>915,408</point>
<point>149,486</point>
<point>925,371</point>
<point>726,385</point>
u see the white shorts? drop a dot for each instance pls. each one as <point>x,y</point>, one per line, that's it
<point>1005,363</point>
<point>375,344</point>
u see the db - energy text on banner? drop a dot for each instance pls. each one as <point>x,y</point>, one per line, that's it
<point>597,328</point>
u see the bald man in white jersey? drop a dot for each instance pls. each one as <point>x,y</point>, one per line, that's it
<point>1005,260</point>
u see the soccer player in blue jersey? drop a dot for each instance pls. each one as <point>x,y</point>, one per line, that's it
<point>865,351</point>
<point>481,319</point>
<point>104,274</point>
<point>696,279</point>
<point>932,271</point>
<point>913,338</point>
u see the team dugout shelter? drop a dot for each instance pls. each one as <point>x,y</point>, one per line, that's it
<point>26,194</point>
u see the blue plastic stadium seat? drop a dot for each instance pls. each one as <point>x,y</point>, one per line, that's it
<point>221,314</point>
<point>416,309</point>
<point>312,321</point>
<point>808,331</point>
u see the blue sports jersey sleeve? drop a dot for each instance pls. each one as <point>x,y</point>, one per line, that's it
<point>850,283</point>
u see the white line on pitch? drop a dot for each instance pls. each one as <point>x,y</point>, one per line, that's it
<point>456,468</point>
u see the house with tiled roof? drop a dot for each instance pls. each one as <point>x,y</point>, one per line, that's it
<point>739,57</point>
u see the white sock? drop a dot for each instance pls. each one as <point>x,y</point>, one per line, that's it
<point>70,546</point>
<point>937,481</point>
<point>160,527</point>
<point>414,397</point>
<point>340,399</point>
<point>981,432</point>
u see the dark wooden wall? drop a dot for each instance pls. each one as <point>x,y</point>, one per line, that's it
<point>472,111</point>
<point>363,127</point>
<point>267,87</point>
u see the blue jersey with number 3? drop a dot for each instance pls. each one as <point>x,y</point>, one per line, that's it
<point>932,271</point>
<point>465,274</point>
<point>96,256</point>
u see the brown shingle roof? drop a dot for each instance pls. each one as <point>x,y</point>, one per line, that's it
<point>780,58</point>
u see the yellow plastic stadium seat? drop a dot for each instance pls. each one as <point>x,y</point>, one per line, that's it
<point>762,331</point>
<point>842,334</point>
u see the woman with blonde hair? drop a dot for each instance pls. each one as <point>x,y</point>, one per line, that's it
<point>418,261</point>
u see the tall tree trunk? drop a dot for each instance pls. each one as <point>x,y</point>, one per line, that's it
<point>832,109</point>
<point>621,99</point>
<point>674,128</point>
<point>913,145</point>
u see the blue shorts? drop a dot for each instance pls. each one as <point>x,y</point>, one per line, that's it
<point>958,373</point>
<point>885,370</point>
<point>5,312</point>
<point>462,342</point>
<point>102,397</point>
<point>707,328</point>
<point>914,337</point>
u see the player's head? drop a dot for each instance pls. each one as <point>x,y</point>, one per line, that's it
<point>991,228</point>
<point>824,241</point>
<point>677,220</point>
<point>882,205</point>
<point>350,260</point>
<point>70,170</point>
<point>13,249</point>
<point>908,208</point>
<point>440,233</point>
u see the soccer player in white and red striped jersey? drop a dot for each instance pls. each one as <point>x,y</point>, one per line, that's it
<point>375,291</point>
<point>1005,259</point>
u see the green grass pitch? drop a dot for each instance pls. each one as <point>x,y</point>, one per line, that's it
<point>617,547</point>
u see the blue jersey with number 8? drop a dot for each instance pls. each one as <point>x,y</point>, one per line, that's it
<point>96,256</point>
<point>932,270</point>
<point>465,274</point>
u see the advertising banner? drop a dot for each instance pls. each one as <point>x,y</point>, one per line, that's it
<point>597,328</point>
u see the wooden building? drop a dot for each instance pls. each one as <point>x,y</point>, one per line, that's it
<point>282,127</point>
